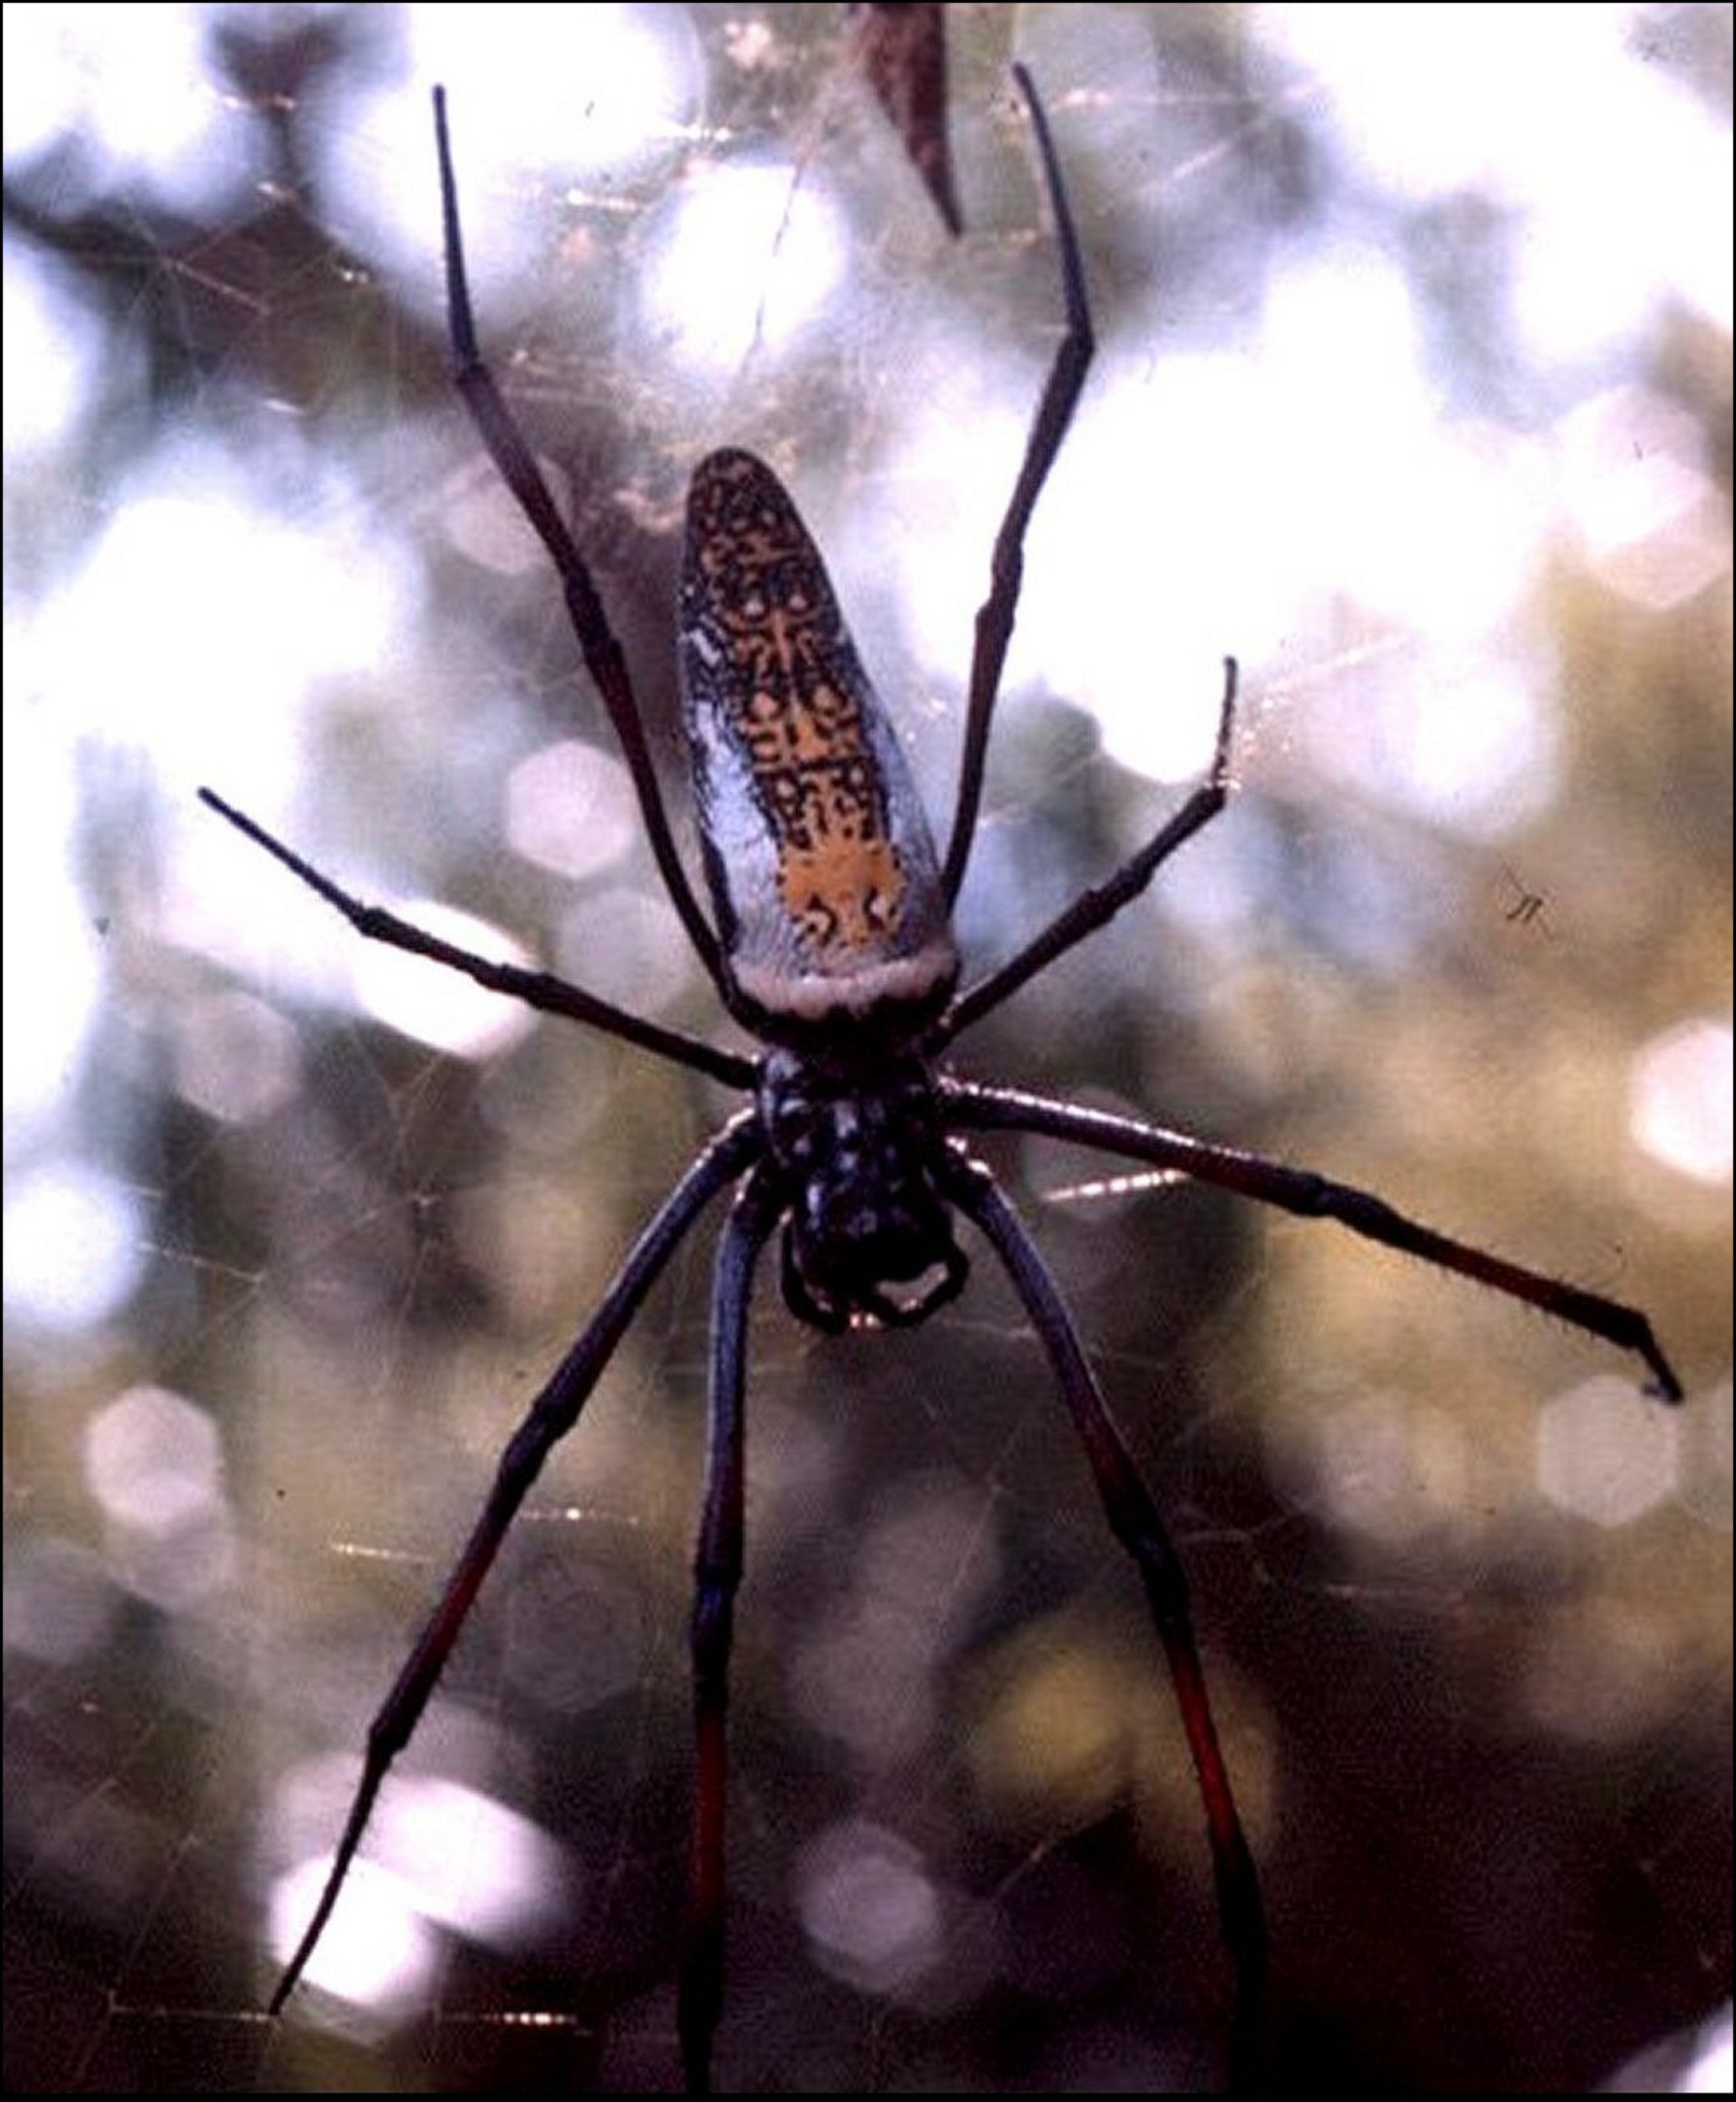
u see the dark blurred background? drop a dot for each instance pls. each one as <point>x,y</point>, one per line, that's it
<point>1414,391</point>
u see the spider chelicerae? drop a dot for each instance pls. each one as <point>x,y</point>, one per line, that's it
<point>831,940</point>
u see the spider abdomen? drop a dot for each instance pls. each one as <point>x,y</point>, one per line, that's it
<point>817,851</point>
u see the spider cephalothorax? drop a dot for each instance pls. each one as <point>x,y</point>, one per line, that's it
<point>859,1152</point>
<point>833,942</point>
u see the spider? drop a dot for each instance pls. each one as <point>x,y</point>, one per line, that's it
<point>831,940</point>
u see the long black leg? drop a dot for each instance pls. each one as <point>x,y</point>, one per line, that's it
<point>968,1107</point>
<point>603,654</point>
<point>1060,395</point>
<point>551,1415</point>
<point>1141,1531</point>
<point>537,989</point>
<point>1096,907</point>
<point>717,1575</point>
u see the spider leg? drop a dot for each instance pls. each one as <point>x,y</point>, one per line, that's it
<point>603,654</point>
<point>551,1415</point>
<point>537,989</point>
<point>969,1107</point>
<point>1096,907</point>
<point>1138,1525</point>
<point>717,1575</point>
<point>1060,395</point>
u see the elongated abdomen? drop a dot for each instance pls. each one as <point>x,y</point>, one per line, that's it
<point>824,875</point>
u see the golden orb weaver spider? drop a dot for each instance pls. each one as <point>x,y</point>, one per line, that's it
<point>833,944</point>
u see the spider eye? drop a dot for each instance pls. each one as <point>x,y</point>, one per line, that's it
<point>857,1253</point>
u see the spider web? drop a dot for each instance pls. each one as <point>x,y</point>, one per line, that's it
<point>286,1276</point>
